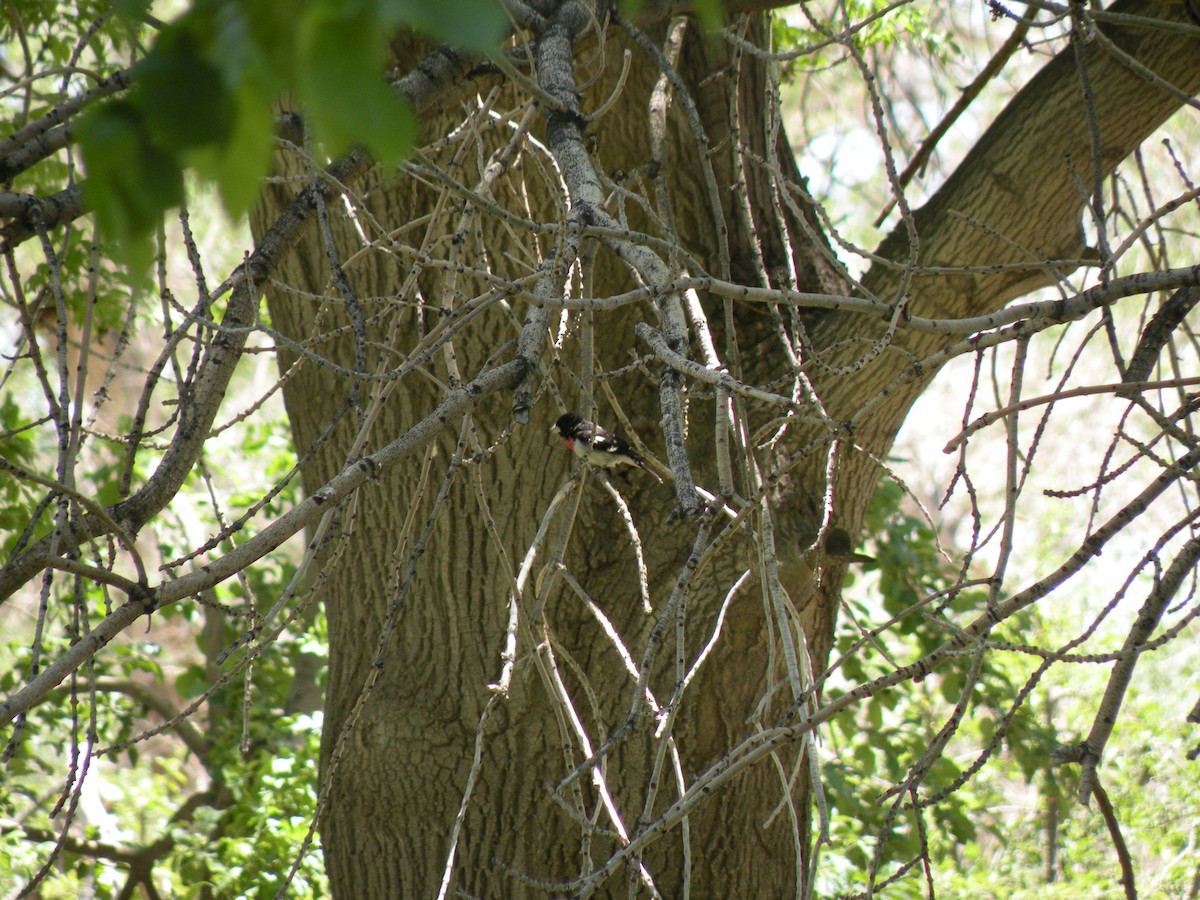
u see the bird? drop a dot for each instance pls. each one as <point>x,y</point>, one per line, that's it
<point>839,549</point>
<point>596,445</point>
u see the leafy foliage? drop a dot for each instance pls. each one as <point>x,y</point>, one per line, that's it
<point>888,732</point>
<point>204,94</point>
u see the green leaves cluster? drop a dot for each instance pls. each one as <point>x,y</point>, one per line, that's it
<point>228,814</point>
<point>204,95</point>
<point>250,810</point>
<point>906,26</point>
<point>887,733</point>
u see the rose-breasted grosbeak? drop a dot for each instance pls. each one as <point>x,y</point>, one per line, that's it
<point>596,445</point>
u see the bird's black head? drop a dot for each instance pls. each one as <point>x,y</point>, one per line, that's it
<point>568,424</point>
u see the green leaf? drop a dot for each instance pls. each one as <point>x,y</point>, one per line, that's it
<point>192,682</point>
<point>470,24</point>
<point>182,94</point>
<point>17,448</point>
<point>875,714</point>
<point>238,165</point>
<point>131,9</point>
<point>342,87</point>
<point>710,13</point>
<point>131,182</point>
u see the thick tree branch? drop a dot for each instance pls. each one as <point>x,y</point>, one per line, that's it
<point>37,139</point>
<point>28,211</point>
<point>1016,200</point>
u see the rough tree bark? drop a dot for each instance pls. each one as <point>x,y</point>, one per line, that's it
<point>402,769</point>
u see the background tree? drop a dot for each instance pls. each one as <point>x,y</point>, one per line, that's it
<point>540,679</point>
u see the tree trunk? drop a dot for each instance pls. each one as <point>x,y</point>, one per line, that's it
<point>398,766</point>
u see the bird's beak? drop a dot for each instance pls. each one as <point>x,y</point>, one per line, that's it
<point>552,428</point>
